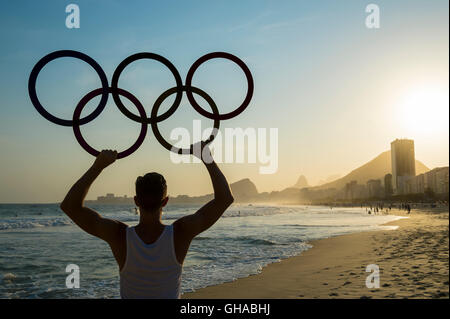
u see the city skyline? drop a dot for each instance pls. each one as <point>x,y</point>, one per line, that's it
<point>403,172</point>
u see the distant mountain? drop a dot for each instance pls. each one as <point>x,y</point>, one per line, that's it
<point>375,169</point>
<point>329,179</point>
<point>243,190</point>
<point>301,182</point>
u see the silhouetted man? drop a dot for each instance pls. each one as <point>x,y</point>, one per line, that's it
<point>150,255</point>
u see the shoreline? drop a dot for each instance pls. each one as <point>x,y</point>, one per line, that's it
<point>413,262</point>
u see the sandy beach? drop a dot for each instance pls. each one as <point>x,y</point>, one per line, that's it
<point>413,262</point>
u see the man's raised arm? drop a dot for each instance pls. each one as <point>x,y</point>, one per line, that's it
<point>192,225</point>
<point>87,219</point>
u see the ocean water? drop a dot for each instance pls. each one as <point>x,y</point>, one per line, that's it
<point>37,242</point>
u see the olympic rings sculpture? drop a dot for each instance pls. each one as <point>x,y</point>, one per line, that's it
<point>116,92</point>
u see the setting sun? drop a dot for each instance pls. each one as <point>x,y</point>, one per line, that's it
<point>425,110</point>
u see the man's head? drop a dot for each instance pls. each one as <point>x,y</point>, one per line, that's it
<point>151,192</point>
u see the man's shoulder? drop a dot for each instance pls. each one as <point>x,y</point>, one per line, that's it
<point>181,227</point>
<point>120,232</point>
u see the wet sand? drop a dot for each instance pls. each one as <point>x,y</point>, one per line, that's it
<point>413,262</point>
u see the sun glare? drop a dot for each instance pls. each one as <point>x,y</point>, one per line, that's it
<point>426,110</point>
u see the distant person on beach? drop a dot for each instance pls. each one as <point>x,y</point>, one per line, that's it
<point>150,255</point>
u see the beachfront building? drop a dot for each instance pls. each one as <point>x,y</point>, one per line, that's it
<point>435,180</point>
<point>353,190</point>
<point>388,191</point>
<point>111,199</point>
<point>374,188</point>
<point>416,185</point>
<point>403,164</point>
<point>350,189</point>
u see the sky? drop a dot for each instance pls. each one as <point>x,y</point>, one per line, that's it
<point>337,91</point>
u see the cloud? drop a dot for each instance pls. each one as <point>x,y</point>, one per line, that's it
<point>285,24</point>
<point>250,22</point>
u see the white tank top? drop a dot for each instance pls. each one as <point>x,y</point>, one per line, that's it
<point>150,270</point>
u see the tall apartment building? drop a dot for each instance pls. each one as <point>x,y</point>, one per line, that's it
<point>435,180</point>
<point>374,188</point>
<point>403,164</point>
<point>388,191</point>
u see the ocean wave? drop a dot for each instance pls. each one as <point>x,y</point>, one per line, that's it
<point>257,241</point>
<point>241,239</point>
<point>9,277</point>
<point>320,226</point>
<point>39,216</point>
<point>25,224</point>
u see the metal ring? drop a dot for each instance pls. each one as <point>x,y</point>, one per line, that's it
<point>155,128</point>
<point>82,141</point>
<point>248,75</point>
<point>152,56</point>
<point>74,54</point>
